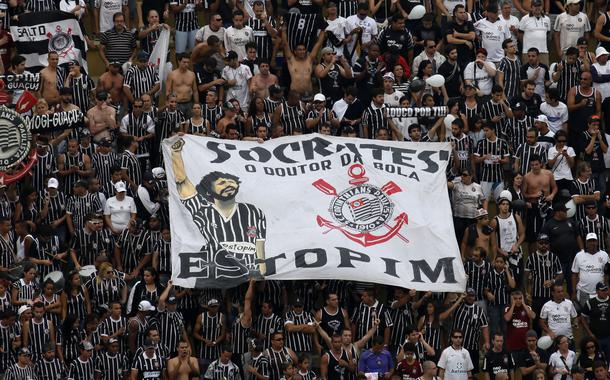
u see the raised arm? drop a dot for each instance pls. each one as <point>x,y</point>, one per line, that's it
<point>184,185</point>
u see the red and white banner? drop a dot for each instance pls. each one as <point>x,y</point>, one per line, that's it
<point>311,207</point>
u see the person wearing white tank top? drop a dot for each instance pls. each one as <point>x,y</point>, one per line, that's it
<point>510,233</point>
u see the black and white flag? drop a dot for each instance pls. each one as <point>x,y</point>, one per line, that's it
<point>38,33</point>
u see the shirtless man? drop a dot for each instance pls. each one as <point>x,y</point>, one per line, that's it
<point>48,76</point>
<point>478,235</point>
<point>183,83</point>
<point>102,118</point>
<point>539,189</point>
<point>184,366</point>
<point>260,83</point>
<point>112,83</point>
<point>300,64</point>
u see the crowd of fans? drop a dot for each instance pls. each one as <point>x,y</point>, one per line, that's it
<point>85,268</point>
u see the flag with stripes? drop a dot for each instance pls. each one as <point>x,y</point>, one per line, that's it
<point>38,33</point>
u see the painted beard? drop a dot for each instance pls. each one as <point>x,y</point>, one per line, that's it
<point>225,198</point>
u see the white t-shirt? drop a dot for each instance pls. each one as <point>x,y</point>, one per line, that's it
<point>559,316</point>
<point>450,4</point>
<point>120,211</point>
<point>339,28</point>
<point>480,77</point>
<point>236,40</point>
<point>511,21</point>
<point>368,25</point>
<point>556,115</point>
<point>561,169</point>
<point>604,88</point>
<point>492,36</point>
<point>393,99</point>
<point>456,363</point>
<point>107,9</point>
<point>590,269</point>
<point>240,91</point>
<point>571,28</point>
<point>204,33</point>
<point>556,362</point>
<point>535,31</point>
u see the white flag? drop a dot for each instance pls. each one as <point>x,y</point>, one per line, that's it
<point>158,57</point>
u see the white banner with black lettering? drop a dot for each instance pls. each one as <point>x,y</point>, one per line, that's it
<point>311,207</point>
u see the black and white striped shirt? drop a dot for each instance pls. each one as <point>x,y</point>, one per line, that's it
<point>105,291</point>
<point>186,20</point>
<point>56,208</point>
<point>39,335</point>
<point>77,160</point>
<point>212,114</point>
<point>365,315</point>
<point>164,249</point>
<point>103,163</point>
<point>514,131</point>
<point>346,8</point>
<point>90,244</point>
<point>298,341</point>
<point>491,109</point>
<point>470,319</point>
<point>50,370</point>
<point>40,5</point>
<point>82,88</point>
<point>582,188</point>
<point>264,44</point>
<point>119,46</point>
<point>211,327</point>
<point>492,169</point>
<point>168,123</point>
<point>525,152</point>
<point>110,326</point>
<point>240,336</point>
<point>220,371</point>
<point>149,368</point>
<point>76,304</point>
<point>44,167</point>
<point>81,206</point>
<point>268,326</point>
<point>401,318</point>
<point>271,105</point>
<point>25,291</point>
<point>147,43</point>
<point>138,126</point>
<point>133,248</point>
<point>374,119</point>
<point>292,118</point>
<point>568,78</point>
<point>80,370</point>
<point>599,226</point>
<point>130,162</point>
<point>541,268</point>
<point>512,76</point>
<point>261,364</point>
<point>171,325</point>
<point>277,359</point>
<point>16,372</point>
<point>326,115</point>
<point>497,283</point>
<point>140,81</point>
<point>302,27</point>
<point>112,367</point>
<point>7,335</point>
<point>8,249</point>
<point>465,148</point>
<point>476,276</point>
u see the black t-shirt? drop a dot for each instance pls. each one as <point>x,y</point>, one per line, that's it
<point>599,316</point>
<point>532,105</point>
<point>498,362</point>
<point>562,235</point>
<point>452,74</point>
<point>465,54</point>
<point>525,360</point>
<point>596,158</point>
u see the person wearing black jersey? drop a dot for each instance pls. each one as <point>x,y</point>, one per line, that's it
<point>332,318</point>
<point>335,363</point>
<point>220,189</point>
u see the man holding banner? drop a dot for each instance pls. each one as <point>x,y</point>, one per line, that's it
<point>235,232</point>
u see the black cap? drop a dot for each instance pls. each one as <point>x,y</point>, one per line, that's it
<point>105,142</point>
<point>80,183</point>
<point>116,64</point>
<point>148,176</point>
<point>171,300</point>
<point>601,286</point>
<point>102,95</point>
<point>298,302</point>
<point>537,2</point>
<point>471,85</point>
<point>519,106</point>
<point>559,207</point>
<point>543,237</point>
<point>24,351</point>
<point>231,55</point>
<point>74,62</point>
<point>590,203</point>
<point>275,89</point>
<point>471,291</point>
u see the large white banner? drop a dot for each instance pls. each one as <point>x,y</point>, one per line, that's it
<point>311,207</point>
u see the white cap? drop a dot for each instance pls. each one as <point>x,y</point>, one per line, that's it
<point>146,306</point>
<point>22,309</point>
<point>120,187</point>
<point>53,183</point>
<point>158,172</point>
<point>319,98</point>
<point>481,212</point>
<point>541,119</point>
<point>591,236</point>
<point>505,195</point>
<point>601,51</point>
<point>568,2</point>
<point>389,75</point>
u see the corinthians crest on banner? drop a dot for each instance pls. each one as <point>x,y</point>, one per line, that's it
<point>38,33</point>
<point>311,207</point>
